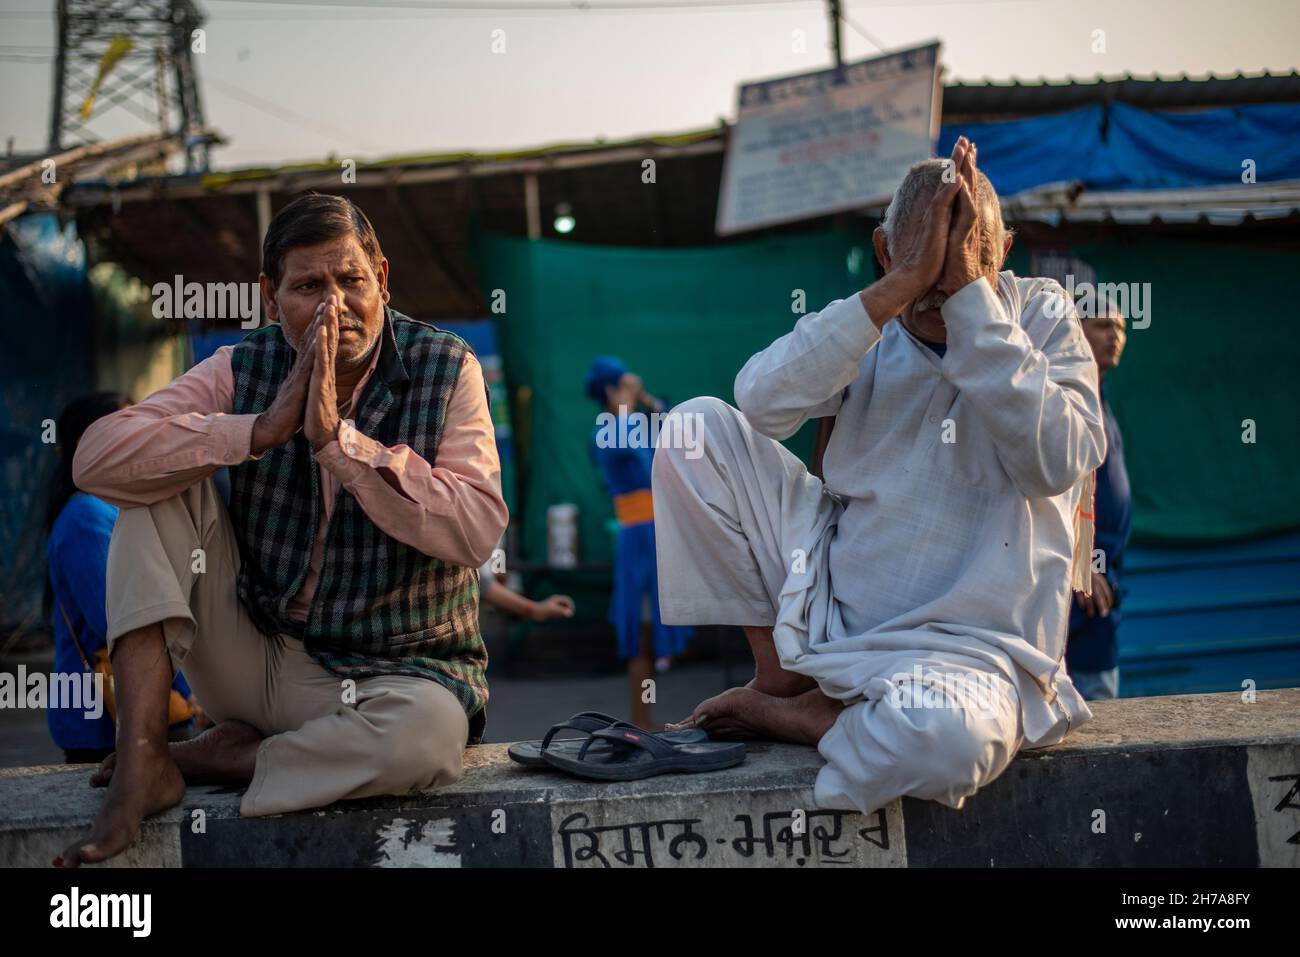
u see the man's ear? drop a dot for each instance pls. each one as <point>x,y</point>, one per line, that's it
<point>383,279</point>
<point>1007,243</point>
<point>270,308</point>
<point>881,243</point>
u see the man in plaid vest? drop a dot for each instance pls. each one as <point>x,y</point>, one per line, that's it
<point>327,617</point>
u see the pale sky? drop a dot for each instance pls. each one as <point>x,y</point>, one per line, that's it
<point>294,81</point>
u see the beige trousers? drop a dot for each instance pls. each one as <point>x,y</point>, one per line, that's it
<point>175,563</point>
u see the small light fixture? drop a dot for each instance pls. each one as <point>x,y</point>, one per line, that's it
<point>564,221</point>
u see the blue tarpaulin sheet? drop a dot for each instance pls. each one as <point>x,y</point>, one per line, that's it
<point>1120,147</point>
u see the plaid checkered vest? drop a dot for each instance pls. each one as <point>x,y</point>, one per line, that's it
<point>380,607</point>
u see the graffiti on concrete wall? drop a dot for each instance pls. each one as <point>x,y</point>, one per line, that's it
<point>790,837</point>
<point>1274,775</point>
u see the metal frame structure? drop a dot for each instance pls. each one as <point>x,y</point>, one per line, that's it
<point>155,81</point>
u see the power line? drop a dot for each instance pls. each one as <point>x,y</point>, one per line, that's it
<point>284,114</point>
<point>380,11</point>
<point>384,11</point>
<point>865,35</point>
<point>506,6</point>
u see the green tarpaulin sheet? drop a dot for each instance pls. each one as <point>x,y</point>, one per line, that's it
<point>1219,350</point>
<point>1220,353</point>
<point>685,320</point>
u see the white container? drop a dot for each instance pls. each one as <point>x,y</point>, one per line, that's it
<point>562,535</point>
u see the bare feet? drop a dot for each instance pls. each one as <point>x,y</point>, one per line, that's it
<point>769,677</point>
<point>781,683</point>
<point>147,782</point>
<point>224,754</point>
<point>749,713</point>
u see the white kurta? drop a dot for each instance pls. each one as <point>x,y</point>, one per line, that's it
<point>943,534</point>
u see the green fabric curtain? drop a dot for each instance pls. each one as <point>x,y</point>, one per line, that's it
<point>1219,350</point>
<point>686,320</point>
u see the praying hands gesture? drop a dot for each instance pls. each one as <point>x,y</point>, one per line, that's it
<point>938,247</point>
<point>307,398</point>
<point>321,416</point>
<point>961,261</point>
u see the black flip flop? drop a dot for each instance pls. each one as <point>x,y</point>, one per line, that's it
<point>640,754</point>
<point>531,753</point>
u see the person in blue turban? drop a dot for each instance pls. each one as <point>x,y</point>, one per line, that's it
<point>623,450</point>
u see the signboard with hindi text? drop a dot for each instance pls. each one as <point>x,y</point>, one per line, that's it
<point>829,141</point>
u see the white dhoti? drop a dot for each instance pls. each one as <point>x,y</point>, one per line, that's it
<point>743,536</point>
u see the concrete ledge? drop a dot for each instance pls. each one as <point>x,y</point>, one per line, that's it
<point>1191,780</point>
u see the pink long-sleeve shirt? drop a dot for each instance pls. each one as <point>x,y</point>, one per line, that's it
<point>450,509</point>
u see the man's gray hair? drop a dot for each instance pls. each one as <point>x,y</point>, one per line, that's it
<point>920,183</point>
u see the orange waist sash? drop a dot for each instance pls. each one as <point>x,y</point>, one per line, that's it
<point>633,508</point>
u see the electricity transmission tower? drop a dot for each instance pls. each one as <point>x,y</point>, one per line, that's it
<point>133,56</point>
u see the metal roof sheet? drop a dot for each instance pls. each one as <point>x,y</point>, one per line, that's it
<point>1017,98</point>
<point>1055,203</point>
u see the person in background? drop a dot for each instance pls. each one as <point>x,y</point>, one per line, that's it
<point>625,468</point>
<point>512,603</point>
<point>1092,655</point>
<point>79,527</point>
<point>494,591</point>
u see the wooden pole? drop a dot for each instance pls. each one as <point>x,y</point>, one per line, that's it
<point>532,205</point>
<point>263,215</point>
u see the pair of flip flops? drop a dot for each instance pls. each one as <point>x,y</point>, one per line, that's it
<point>613,750</point>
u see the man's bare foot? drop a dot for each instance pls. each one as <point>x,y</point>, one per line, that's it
<point>747,713</point>
<point>781,683</point>
<point>769,677</point>
<point>146,782</point>
<point>224,754</point>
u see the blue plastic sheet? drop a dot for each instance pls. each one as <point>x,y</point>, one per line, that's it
<point>1120,147</point>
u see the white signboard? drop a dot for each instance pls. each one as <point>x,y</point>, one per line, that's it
<point>828,141</point>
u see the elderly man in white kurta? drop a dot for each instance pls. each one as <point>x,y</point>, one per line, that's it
<point>941,549</point>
